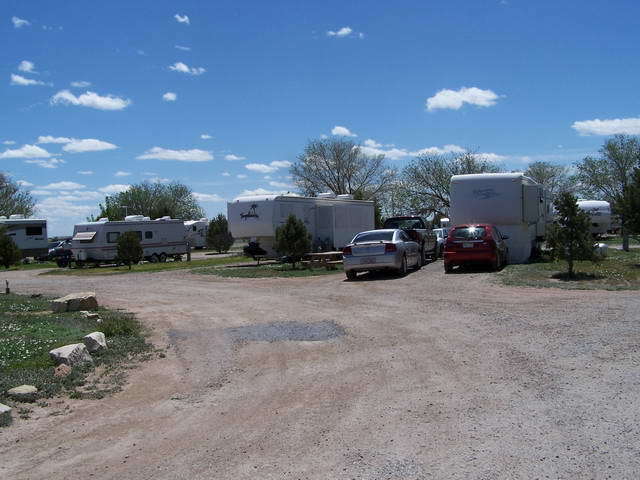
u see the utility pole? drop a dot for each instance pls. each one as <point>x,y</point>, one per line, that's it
<point>126,209</point>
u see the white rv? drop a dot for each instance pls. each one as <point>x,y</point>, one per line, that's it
<point>196,232</point>
<point>331,220</point>
<point>515,204</point>
<point>97,242</point>
<point>599,213</point>
<point>29,234</point>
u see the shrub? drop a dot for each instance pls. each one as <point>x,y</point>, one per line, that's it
<point>292,240</point>
<point>218,236</point>
<point>129,249</point>
<point>9,251</point>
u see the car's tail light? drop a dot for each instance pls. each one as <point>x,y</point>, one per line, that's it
<point>346,251</point>
<point>390,247</point>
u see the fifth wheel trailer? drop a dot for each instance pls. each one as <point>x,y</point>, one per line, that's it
<point>599,215</point>
<point>29,234</point>
<point>514,203</point>
<point>196,232</point>
<point>332,221</point>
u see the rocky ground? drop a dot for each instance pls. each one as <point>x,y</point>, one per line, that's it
<point>423,377</point>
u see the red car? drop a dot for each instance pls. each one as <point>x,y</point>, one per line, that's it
<point>475,243</point>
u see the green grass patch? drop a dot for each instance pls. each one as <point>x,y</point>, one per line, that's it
<point>267,271</point>
<point>618,271</point>
<point>148,267</point>
<point>28,331</point>
<point>34,266</point>
<point>617,240</point>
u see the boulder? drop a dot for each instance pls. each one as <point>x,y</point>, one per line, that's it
<point>5,415</point>
<point>74,302</point>
<point>23,393</point>
<point>95,342</point>
<point>90,315</point>
<point>61,370</point>
<point>71,354</point>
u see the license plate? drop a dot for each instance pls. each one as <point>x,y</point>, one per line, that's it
<point>368,260</point>
<point>467,245</point>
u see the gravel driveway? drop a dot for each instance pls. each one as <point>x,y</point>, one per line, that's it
<point>423,377</point>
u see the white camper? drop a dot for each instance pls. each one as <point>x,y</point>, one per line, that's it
<point>331,220</point>
<point>514,203</point>
<point>196,232</point>
<point>29,234</point>
<point>97,242</point>
<point>599,213</point>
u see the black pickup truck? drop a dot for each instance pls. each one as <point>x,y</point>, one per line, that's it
<point>419,231</point>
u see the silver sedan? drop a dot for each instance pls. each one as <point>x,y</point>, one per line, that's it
<point>389,249</point>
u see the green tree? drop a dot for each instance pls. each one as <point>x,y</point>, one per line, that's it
<point>153,200</point>
<point>292,239</point>
<point>129,249</point>
<point>607,176</point>
<point>629,205</point>
<point>13,199</point>
<point>569,237</point>
<point>218,236</point>
<point>554,178</point>
<point>9,252</point>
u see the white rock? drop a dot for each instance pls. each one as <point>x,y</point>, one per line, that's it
<point>71,354</point>
<point>74,302</point>
<point>90,315</point>
<point>23,393</point>
<point>95,342</point>
<point>5,415</point>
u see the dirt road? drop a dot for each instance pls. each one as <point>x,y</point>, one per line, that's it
<point>423,377</point>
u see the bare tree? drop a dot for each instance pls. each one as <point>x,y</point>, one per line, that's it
<point>608,176</point>
<point>14,200</point>
<point>338,165</point>
<point>555,178</point>
<point>426,181</point>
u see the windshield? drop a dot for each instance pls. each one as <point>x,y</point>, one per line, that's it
<point>380,236</point>
<point>469,233</point>
<point>404,224</point>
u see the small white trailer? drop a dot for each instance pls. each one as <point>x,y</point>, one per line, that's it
<point>599,213</point>
<point>514,203</point>
<point>97,242</point>
<point>196,232</point>
<point>29,234</point>
<point>331,220</point>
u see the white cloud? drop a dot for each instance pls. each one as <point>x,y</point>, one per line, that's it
<point>8,142</point>
<point>231,157</point>
<point>439,150</point>
<point>206,136</point>
<point>24,82</point>
<point>226,174</point>
<point>27,66</point>
<point>260,167</point>
<point>121,173</point>
<point>24,183</point>
<point>65,185</point>
<point>371,147</point>
<point>55,207</point>
<point>241,176</point>
<point>51,163</point>
<point>208,197</point>
<point>52,139</point>
<point>183,48</point>
<point>262,191</point>
<point>26,151</point>
<point>344,131</point>
<point>20,22</point>
<point>80,84</point>
<point>372,143</point>
<point>85,172</point>
<point>182,18</point>
<point>184,68</point>
<point>169,97</point>
<point>455,99</point>
<point>88,145</point>
<point>490,157</point>
<point>194,155</point>
<point>614,126</point>
<point>91,100</point>
<point>115,188</point>
<point>281,164</point>
<point>343,32</point>
<point>159,180</point>
<point>280,185</point>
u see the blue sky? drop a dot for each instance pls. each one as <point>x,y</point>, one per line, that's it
<point>128,90</point>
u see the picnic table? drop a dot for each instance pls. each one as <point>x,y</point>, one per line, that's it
<point>329,260</point>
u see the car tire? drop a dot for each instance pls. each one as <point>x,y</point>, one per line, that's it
<point>351,275</point>
<point>423,257</point>
<point>448,268</point>
<point>495,264</point>
<point>162,258</point>
<point>154,258</point>
<point>404,268</point>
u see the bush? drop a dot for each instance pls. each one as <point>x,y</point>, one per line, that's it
<point>218,236</point>
<point>292,240</point>
<point>129,249</point>
<point>9,252</point>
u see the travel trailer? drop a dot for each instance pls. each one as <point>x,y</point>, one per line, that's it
<point>97,242</point>
<point>599,213</point>
<point>514,203</point>
<point>196,232</point>
<point>332,220</point>
<point>29,234</point>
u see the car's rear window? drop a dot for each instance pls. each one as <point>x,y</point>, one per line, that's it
<point>404,223</point>
<point>469,233</point>
<point>373,237</point>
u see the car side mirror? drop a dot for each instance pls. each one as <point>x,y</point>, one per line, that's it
<point>505,237</point>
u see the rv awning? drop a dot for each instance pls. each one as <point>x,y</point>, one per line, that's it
<point>86,236</point>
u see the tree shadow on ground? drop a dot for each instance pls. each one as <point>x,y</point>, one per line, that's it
<point>577,277</point>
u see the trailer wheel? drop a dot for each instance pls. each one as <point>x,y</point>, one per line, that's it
<point>154,258</point>
<point>351,275</point>
<point>162,258</point>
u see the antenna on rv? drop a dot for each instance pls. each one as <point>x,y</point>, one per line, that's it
<point>126,209</point>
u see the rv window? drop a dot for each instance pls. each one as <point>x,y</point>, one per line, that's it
<point>139,234</point>
<point>148,235</point>
<point>194,228</point>
<point>33,231</point>
<point>112,237</point>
